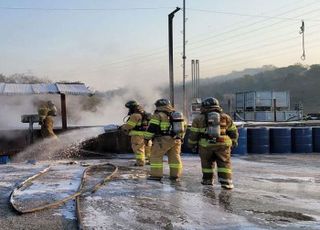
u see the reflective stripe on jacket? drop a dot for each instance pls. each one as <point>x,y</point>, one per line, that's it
<point>228,131</point>
<point>135,120</point>
<point>159,123</point>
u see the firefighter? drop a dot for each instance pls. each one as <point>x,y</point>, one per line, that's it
<point>166,129</point>
<point>215,134</point>
<point>136,126</point>
<point>46,113</point>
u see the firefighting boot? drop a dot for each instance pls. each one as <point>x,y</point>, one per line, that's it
<point>207,182</point>
<point>154,178</point>
<point>139,163</point>
<point>227,186</point>
<point>174,179</point>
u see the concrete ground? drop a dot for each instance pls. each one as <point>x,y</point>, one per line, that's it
<point>271,192</point>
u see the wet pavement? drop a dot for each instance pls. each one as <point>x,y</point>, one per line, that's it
<point>271,192</point>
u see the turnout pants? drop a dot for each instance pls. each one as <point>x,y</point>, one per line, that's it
<point>47,128</point>
<point>170,146</point>
<point>138,148</point>
<point>148,150</point>
<point>220,155</point>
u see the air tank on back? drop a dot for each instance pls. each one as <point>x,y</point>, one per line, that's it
<point>302,140</point>
<point>280,140</point>
<point>258,140</point>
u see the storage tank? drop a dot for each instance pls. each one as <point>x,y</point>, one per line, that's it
<point>316,139</point>
<point>302,140</point>
<point>280,140</point>
<point>258,140</point>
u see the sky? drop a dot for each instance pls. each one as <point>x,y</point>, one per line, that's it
<point>110,44</point>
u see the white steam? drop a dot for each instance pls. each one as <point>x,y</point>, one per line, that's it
<point>67,145</point>
<point>110,110</point>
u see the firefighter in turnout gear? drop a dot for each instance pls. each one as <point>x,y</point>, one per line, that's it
<point>46,113</point>
<point>215,134</point>
<point>136,126</point>
<point>166,129</point>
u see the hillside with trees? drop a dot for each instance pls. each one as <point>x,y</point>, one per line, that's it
<point>302,82</point>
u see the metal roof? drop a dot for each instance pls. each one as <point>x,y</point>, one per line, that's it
<point>44,88</point>
<point>73,88</point>
<point>51,88</point>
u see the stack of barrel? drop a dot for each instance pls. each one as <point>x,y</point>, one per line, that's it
<point>263,140</point>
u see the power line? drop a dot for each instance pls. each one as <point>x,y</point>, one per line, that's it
<point>254,23</point>
<point>154,53</point>
<point>205,45</point>
<point>250,15</point>
<point>217,35</point>
<point>223,50</point>
<point>130,58</point>
<point>247,58</point>
<point>83,9</point>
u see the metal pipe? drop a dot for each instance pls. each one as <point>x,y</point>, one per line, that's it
<point>63,111</point>
<point>170,35</point>
<point>184,59</point>
<point>192,76</point>
<point>197,78</point>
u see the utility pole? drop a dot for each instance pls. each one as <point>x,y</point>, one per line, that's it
<point>170,34</point>
<point>184,60</point>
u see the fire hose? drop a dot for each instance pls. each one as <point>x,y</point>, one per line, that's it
<point>75,195</point>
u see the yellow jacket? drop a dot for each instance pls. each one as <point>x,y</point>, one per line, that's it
<point>134,125</point>
<point>160,123</point>
<point>229,133</point>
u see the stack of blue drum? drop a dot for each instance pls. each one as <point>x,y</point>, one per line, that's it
<point>263,140</point>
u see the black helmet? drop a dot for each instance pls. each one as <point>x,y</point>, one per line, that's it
<point>210,102</point>
<point>131,104</point>
<point>162,102</point>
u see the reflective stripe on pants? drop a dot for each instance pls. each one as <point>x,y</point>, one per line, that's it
<point>138,147</point>
<point>220,155</point>
<point>172,147</point>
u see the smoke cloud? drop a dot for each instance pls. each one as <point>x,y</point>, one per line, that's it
<point>101,109</point>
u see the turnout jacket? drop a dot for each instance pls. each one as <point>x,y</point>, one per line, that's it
<point>160,122</point>
<point>228,134</point>
<point>134,126</point>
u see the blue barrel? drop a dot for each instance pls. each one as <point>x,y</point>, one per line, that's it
<point>4,159</point>
<point>302,140</point>
<point>258,140</point>
<point>241,149</point>
<point>280,140</point>
<point>316,139</point>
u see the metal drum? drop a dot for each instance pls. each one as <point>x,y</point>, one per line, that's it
<point>258,140</point>
<point>302,140</point>
<point>280,140</point>
<point>316,139</point>
<point>241,149</point>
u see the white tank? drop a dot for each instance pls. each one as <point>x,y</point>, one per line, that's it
<point>213,125</point>
<point>178,126</point>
